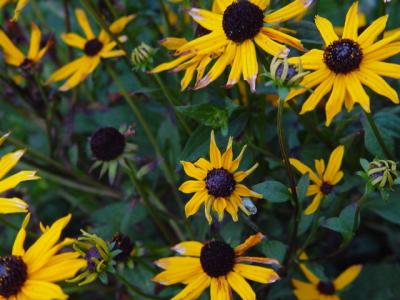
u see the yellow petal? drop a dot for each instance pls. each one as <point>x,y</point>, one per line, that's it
<point>326,30</point>
<point>192,171</point>
<point>119,25</point>
<point>320,167</point>
<point>66,70</point>
<point>312,60</point>
<point>20,6</point>
<point>35,42</point>
<point>228,155</point>
<point>262,4</point>
<point>236,68</point>
<point>369,35</point>
<point>289,11</point>
<point>250,64</point>
<point>334,164</point>
<point>310,275</point>
<point>18,247</point>
<point>219,206</point>
<point>193,205</point>
<point>382,68</point>
<point>220,289</point>
<point>172,43</point>
<point>8,161</point>
<point>312,208</point>
<point>357,92</point>
<point>236,162</point>
<point>74,40</point>
<point>303,169</point>
<point>382,53</point>
<point>256,273</point>
<point>240,286</point>
<point>269,45</point>
<point>250,242</point>
<point>351,24</point>
<point>282,37</point>
<point>323,89</point>
<point>347,277</point>
<point>84,23</point>
<point>177,262</point>
<point>336,99</point>
<point>244,191</point>
<point>203,164</point>
<point>36,289</point>
<point>12,54</point>
<point>190,248</point>
<point>215,154</point>
<point>206,19</point>
<point>192,186</point>
<point>81,74</point>
<point>241,175</point>
<point>378,84</point>
<point>12,181</point>
<point>12,206</point>
<point>194,289</point>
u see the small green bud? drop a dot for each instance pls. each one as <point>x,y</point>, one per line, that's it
<point>382,173</point>
<point>142,57</point>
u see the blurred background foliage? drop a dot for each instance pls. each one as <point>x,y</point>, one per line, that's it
<point>63,158</point>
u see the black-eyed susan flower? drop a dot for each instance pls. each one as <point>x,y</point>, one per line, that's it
<point>324,180</point>
<point>217,183</point>
<point>12,204</point>
<point>217,265</point>
<point>94,48</point>
<point>110,149</point>
<point>233,30</point>
<point>319,289</point>
<point>13,56</point>
<point>348,63</point>
<point>32,274</point>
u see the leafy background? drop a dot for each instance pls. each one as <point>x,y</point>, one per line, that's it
<point>67,185</point>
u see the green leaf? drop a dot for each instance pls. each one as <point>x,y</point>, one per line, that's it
<point>372,144</point>
<point>364,164</point>
<point>388,210</point>
<point>273,191</point>
<point>274,249</point>
<point>344,223</point>
<point>302,187</point>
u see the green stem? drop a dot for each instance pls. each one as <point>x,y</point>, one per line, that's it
<point>378,136</point>
<point>172,103</point>
<point>313,231</point>
<point>165,12</point>
<point>292,184</point>
<point>133,288</point>
<point>144,195</point>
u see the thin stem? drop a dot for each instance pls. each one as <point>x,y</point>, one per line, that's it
<point>292,183</point>
<point>313,231</point>
<point>172,103</point>
<point>378,136</point>
<point>144,195</point>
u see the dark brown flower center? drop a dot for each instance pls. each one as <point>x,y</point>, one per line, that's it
<point>26,64</point>
<point>13,274</point>
<point>107,143</point>
<point>242,21</point>
<point>217,258</point>
<point>93,47</point>
<point>220,183</point>
<point>343,56</point>
<point>326,188</point>
<point>326,288</point>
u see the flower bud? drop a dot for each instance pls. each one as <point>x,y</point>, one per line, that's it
<point>382,173</point>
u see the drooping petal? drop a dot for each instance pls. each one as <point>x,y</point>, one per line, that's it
<point>303,169</point>
<point>240,286</point>
<point>250,64</point>
<point>256,273</point>
<point>315,203</point>
<point>219,206</point>
<point>336,99</point>
<point>220,289</point>
<point>194,289</point>
<point>250,242</point>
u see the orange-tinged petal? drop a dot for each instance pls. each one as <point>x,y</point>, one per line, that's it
<point>250,242</point>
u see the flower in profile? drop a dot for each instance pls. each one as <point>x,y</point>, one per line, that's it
<point>382,173</point>
<point>9,205</point>
<point>13,56</point>
<point>31,274</point>
<point>110,149</point>
<point>94,48</point>
<point>324,180</point>
<point>217,183</point>
<point>231,33</point>
<point>321,289</point>
<point>217,265</point>
<point>348,63</point>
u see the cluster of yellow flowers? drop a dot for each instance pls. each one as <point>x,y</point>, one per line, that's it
<point>228,36</point>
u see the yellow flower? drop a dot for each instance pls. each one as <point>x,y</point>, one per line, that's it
<point>20,5</point>
<point>325,178</point>
<point>7,162</point>
<point>217,184</point>
<point>94,49</point>
<point>323,290</point>
<point>231,31</point>
<point>32,274</point>
<point>216,265</point>
<point>13,56</point>
<point>348,63</point>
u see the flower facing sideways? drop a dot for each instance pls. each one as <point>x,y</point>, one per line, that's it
<point>323,290</point>
<point>31,274</point>
<point>13,56</point>
<point>324,180</point>
<point>217,265</point>
<point>7,162</point>
<point>348,63</point>
<point>94,49</point>
<point>232,30</point>
<point>217,184</point>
